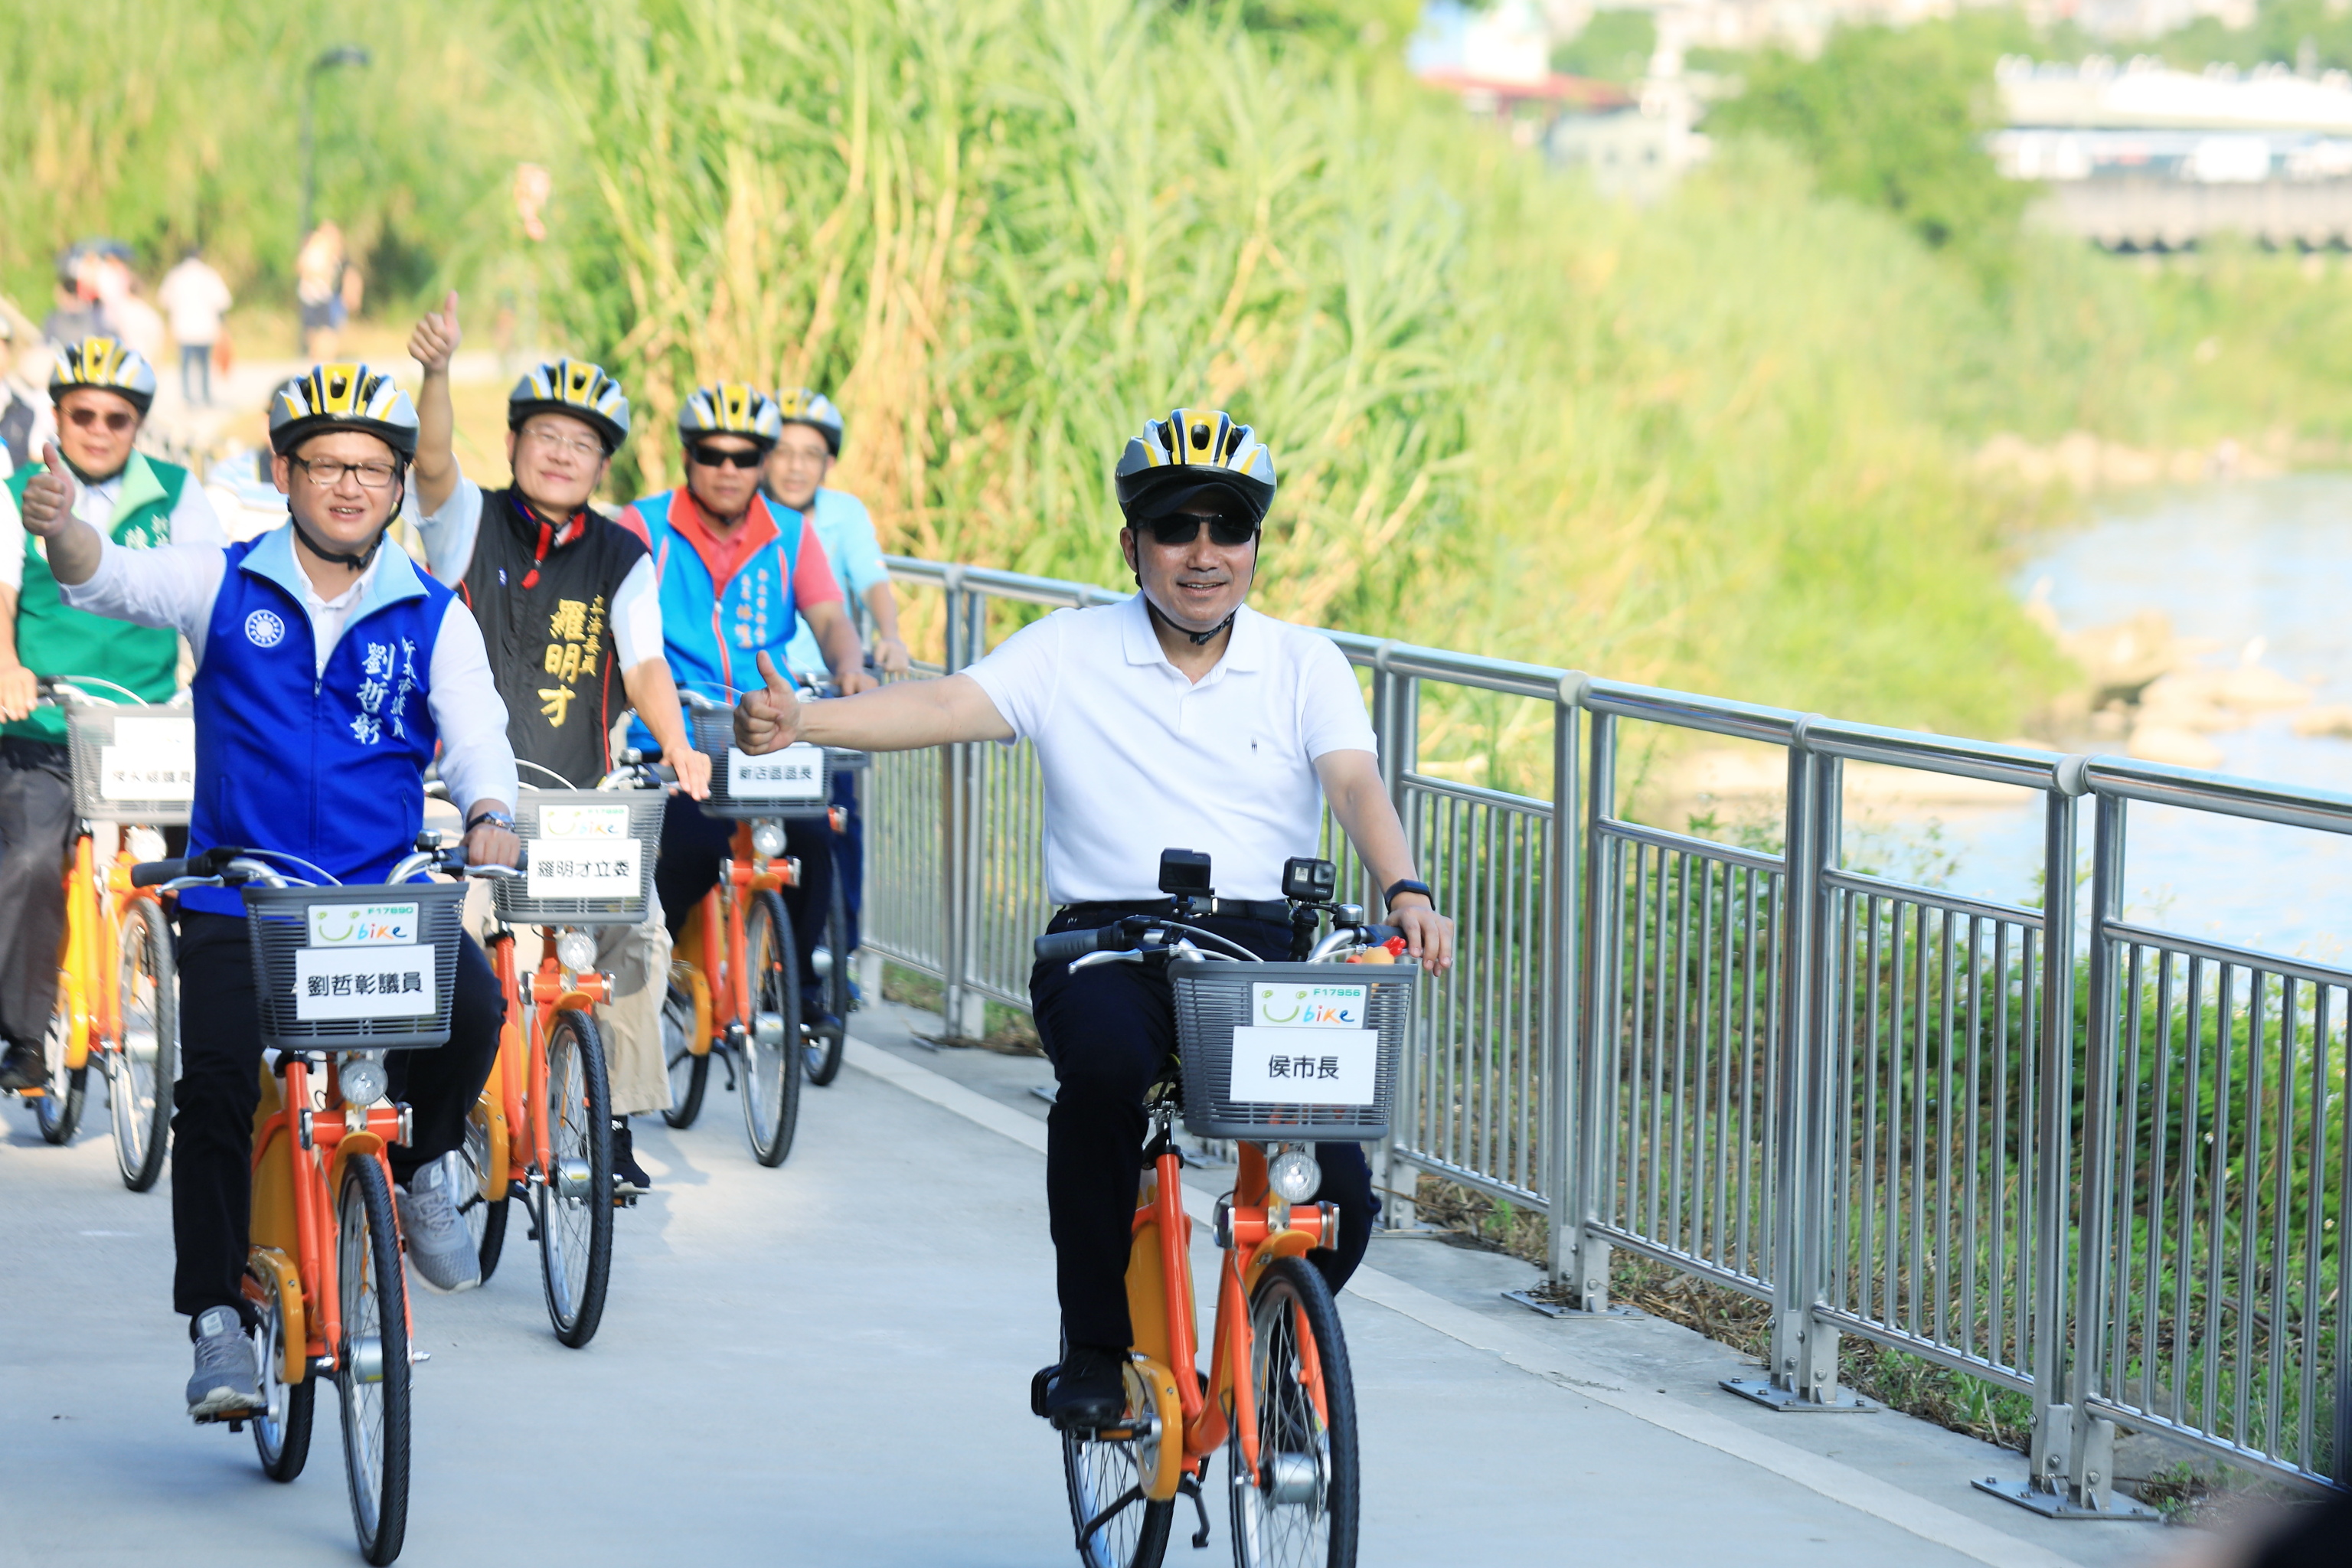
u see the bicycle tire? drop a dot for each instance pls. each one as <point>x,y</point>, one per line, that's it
<point>771,1074</point>
<point>375,1410</point>
<point>281,1431</point>
<point>1319,1528</point>
<point>1097,1475</point>
<point>575,1200</point>
<point>486,1218</point>
<point>57,1111</point>
<point>822,1051</point>
<point>690,1074</point>
<point>146,1059</point>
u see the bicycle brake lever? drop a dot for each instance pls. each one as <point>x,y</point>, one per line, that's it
<point>1125,955</point>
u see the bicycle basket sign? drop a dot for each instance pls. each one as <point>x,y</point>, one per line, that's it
<point>362,925</point>
<point>796,772</point>
<point>1284,1066</point>
<point>584,867</point>
<point>1297,1006</point>
<point>600,822</point>
<point>148,759</point>
<point>364,982</point>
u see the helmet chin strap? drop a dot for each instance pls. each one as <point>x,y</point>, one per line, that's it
<point>1196,638</point>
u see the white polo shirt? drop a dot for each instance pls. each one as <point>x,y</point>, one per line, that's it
<point>1137,758</point>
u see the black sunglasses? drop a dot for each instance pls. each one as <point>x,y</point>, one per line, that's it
<point>712,458</point>
<point>1184,527</point>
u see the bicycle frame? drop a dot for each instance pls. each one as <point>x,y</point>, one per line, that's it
<point>293,1225</point>
<point>516,1096</point>
<point>723,981</point>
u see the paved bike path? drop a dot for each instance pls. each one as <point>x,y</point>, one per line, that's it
<point>823,1363</point>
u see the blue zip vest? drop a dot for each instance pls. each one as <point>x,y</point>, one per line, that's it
<point>329,767</point>
<point>713,640</point>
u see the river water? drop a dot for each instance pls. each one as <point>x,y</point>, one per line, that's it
<point>2228,562</point>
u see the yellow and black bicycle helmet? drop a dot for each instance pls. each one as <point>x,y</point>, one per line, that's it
<point>731,408</point>
<point>576,387</point>
<point>1191,453</point>
<point>108,363</point>
<point>342,397</point>
<point>803,405</point>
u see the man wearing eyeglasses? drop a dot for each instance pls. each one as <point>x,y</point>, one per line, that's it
<point>102,391</point>
<point>737,577</point>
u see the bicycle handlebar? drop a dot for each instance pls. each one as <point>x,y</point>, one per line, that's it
<point>1061,946</point>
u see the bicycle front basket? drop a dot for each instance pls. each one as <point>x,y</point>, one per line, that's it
<point>1309,1052</point>
<point>591,857</point>
<point>362,968</point>
<point>132,765</point>
<point>796,782</point>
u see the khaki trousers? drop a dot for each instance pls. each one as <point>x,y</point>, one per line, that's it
<point>638,958</point>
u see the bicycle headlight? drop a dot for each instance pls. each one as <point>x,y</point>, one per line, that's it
<point>576,951</point>
<point>1294,1176</point>
<point>364,1079</point>
<point>767,839</point>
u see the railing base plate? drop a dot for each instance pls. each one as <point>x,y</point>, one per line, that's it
<point>1762,1391</point>
<point>1535,1303</point>
<point>2058,1505</point>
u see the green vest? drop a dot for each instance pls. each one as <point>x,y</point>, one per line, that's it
<point>54,638</point>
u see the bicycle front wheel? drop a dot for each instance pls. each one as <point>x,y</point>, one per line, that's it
<point>485,1217</point>
<point>824,1047</point>
<point>58,1109</point>
<point>372,1363</point>
<point>1117,1525</point>
<point>282,1430</point>
<point>1300,1509</point>
<point>575,1201</point>
<point>690,1074</point>
<point>139,1089</point>
<point>772,1045</point>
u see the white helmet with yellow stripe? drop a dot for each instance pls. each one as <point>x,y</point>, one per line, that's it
<point>342,397</point>
<point>731,408</point>
<point>109,365</point>
<point>1193,452</point>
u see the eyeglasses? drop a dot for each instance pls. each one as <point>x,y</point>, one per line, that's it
<point>1184,527</point>
<point>792,457</point>
<point>327,474</point>
<point>556,441</point>
<point>713,458</point>
<point>115,420</point>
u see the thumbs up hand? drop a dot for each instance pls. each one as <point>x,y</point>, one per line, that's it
<point>434,342</point>
<point>48,495</point>
<point>768,719</point>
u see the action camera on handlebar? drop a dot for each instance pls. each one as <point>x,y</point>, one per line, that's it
<point>1309,881</point>
<point>1185,876</point>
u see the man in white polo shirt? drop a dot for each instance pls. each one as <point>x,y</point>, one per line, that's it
<point>1177,718</point>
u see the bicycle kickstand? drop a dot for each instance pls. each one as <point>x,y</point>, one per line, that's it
<point>1190,1486</point>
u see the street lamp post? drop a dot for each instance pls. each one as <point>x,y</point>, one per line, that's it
<point>341,55</point>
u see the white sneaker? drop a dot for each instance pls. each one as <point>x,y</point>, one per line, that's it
<point>226,1382</point>
<point>440,1248</point>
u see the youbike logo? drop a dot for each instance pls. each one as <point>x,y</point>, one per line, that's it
<point>362,925</point>
<point>1295,1006</point>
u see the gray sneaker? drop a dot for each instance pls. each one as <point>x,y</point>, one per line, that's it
<point>440,1248</point>
<point>226,1382</point>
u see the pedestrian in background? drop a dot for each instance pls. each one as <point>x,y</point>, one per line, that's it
<point>77,313</point>
<point>326,288</point>
<point>194,298</point>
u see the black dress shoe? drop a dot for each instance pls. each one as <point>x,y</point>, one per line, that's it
<point>1089,1392</point>
<point>25,1067</point>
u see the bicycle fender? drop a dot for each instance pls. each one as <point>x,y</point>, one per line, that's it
<point>347,1147</point>
<point>78,1010</point>
<point>1161,1384</point>
<point>280,1267</point>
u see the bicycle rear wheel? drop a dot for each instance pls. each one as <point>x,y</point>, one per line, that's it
<point>1302,1509</point>
<point>139,1087</point>
<point>772,1045</point>
<point>690,1074</point>
<point>1105,1479</point>
<point>575,1201</point>
<point>57,1111</point>
<point>281,1431</point>
<point>371,1366</point>
<point>486,1218</point>
<point>824,1049</point>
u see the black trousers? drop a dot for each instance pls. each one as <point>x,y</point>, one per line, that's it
<point>1109,1030</point>
<point>37,827</point>
<point>220,1084</point>
<point>692,847</point>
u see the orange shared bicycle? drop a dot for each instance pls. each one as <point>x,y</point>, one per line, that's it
<point>117,1004</point>
<point>1279,1055</point>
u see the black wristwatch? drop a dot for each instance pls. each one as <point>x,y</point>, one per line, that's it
<point>1407,885</point>
<point>498,818</point>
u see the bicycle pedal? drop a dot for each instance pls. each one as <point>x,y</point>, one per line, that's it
<point>1037,1389</point>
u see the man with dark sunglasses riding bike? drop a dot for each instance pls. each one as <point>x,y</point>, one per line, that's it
<point>329,671</point>
<point>737,576</point>
<point>1182,717</point>
<point>102,391</point>
<point>572,616</point>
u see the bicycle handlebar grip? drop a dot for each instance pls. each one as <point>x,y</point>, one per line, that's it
<point>1375,935</point>
<point>149,873</point>
<point>1061,946</point>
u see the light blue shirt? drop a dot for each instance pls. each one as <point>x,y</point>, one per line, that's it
<point>855,555</point>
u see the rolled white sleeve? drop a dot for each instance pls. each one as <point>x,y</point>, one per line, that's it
<point>194,520</point>
<point>1023,674</point>
<point>1331,715</point>
<point>173,587</point>
<point>476,762</point>
<point>636,618</point>
<point>449,534</point>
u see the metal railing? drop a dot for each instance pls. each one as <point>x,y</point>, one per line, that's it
<point>1880,1107</point>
